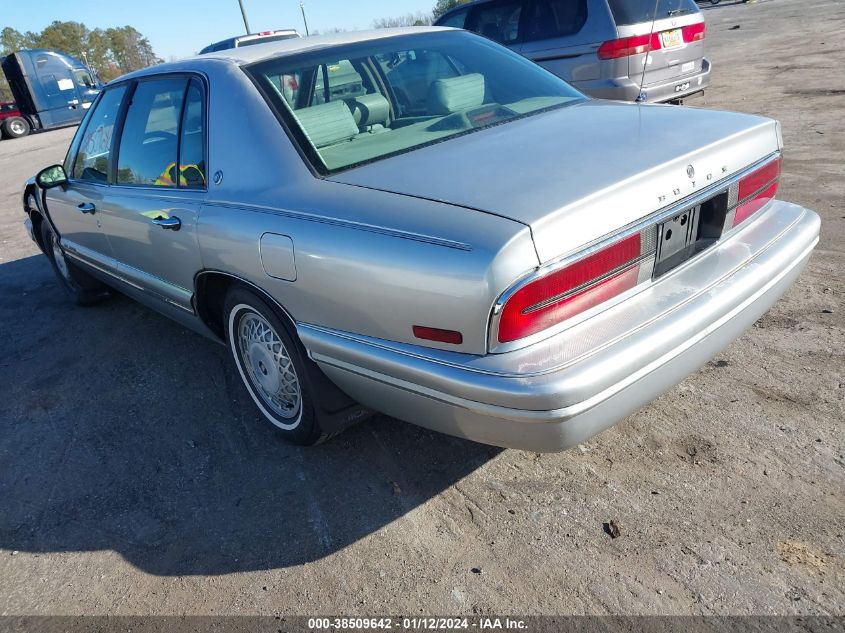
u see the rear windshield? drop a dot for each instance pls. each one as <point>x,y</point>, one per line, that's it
<point>266,38</point>
<point>627,12</point>
<point>353,104</point>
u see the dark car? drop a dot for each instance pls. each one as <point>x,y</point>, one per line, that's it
<point>251,38</point>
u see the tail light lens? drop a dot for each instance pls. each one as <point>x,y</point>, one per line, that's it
<point>693,32</point>
<point>583,284</point>
<point>755,190</point>
<point>639,44</point>
<point>627,46</point>
<point>563,293</point>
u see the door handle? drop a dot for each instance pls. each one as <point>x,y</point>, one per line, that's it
<point>171,224</point>
<point>86,207</point>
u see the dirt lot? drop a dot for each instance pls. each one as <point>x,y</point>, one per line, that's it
<point>136,477</point>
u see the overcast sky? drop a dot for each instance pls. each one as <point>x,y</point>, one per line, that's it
<point>182,27</point>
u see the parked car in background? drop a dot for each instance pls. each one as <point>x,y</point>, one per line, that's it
<point>11,122</point>
<point>602,47</point>
<point>51,90</point>
<point>252,38</point>
<point>376,242</point>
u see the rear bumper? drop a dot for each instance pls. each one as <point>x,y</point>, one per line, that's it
<point>556,393</point>
<point>627,89</point>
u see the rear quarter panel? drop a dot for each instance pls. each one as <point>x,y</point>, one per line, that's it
<point>369,262</point>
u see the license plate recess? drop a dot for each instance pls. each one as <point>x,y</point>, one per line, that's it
<point>689,232</point>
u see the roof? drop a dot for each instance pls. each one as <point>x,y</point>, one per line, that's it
<point>258,52</point>
<point>268,50</point>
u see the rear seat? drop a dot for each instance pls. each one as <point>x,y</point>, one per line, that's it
<point>327,124</point>
<point>340,121</point>
<point>371,112</point>
<point>454,94</point>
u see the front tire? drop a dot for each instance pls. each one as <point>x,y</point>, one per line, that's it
<point>16,127</point>
<point>80,287</point>
<point>271,363</point>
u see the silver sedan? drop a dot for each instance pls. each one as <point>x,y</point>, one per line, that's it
<point>423,223</point>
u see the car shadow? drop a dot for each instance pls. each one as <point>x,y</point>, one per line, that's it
<point>122,430</point>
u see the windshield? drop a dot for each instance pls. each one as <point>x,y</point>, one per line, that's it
<point>626,12</point>
<point>353,104</point>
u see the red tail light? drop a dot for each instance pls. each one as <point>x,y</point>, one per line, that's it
<point>627,46</point>
<point>571,290</point>
<point>694,32</point>
<point>756,189</point>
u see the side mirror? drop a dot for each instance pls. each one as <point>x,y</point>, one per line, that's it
<point>53,176</point>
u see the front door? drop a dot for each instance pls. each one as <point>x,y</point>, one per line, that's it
<point>150,212</point>
<point>76,209</point>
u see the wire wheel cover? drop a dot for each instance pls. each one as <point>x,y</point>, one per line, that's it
<point>269,366</point>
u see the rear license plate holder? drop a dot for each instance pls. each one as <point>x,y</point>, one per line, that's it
<point>672,39</point>
<point>676,240</point>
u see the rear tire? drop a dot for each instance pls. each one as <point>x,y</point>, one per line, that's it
<point>80,287</point>
<point>272,365</point>
<point>16,127</point>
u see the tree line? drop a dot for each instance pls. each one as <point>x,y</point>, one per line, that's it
<point>114,51</point>
<point>420,18</point>
<point>109,52</point>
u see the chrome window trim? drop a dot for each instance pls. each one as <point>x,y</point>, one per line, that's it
<point>493,344</point>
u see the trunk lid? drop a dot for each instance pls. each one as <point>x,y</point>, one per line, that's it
<point>578,173</point>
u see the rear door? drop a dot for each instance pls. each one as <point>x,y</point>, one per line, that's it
<point>150,211</point>
<point>64,101</point>
<point>563,36</point>
<point>677,43</point>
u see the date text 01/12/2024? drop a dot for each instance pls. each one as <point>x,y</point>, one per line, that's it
<point>416,623</point>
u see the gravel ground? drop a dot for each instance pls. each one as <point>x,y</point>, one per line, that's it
<point>136,477</point>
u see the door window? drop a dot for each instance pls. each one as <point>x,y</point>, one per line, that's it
<point>456,20</point>
<point>499,21</point>
<point>549,19</point>
<point>149,143</point>
<point>192,139</point>
<point>92,159</point>
<point>84,79</point>
<point>626,12</point>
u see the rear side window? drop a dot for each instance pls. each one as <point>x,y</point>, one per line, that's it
<point>498,21</point>
<point>149,141</point>
<point>456,20</point>
<point>547,19</point>
<point>92,159</point>
<point>163,139</point>
<point>192,139</point>
<point>626,12</point>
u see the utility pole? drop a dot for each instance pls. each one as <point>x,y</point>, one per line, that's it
<point>243,13</point>
<point>304,19</point>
